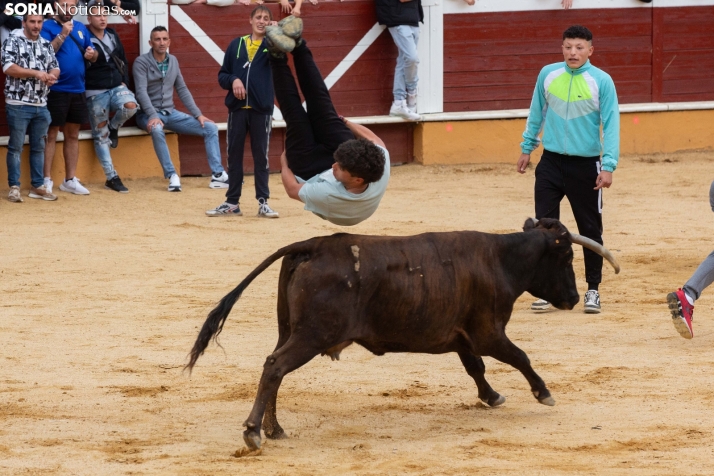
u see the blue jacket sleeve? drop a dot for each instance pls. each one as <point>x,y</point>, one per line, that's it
<point>225,75</point>
<point>610,117</point>
<point>536,117</point>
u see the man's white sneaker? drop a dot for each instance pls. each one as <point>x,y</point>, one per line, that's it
<point>14,195</point>
<point>265,211</point>
<point>174,183</point>
<point>49,184</point>
<point>592,302</point>
<point>400,109</point>
<point>219,180</point>
<point>73,186</point>
<point>540,305</point>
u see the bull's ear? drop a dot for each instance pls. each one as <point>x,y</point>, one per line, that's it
<point>530,224</point>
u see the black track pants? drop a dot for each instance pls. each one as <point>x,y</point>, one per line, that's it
<point>311,137</point>
<point>240,123</point>
<point>559,176</point>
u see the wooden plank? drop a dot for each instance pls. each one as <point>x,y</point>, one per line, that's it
<point>704,86</point>
<point>657,51</point>
<point>498,47</point>
<point>455,63</point>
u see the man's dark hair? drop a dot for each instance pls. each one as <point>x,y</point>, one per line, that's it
<point>261,8</point>
<point>157,28</point>
<point>361,158</point>
<point>578,32</point>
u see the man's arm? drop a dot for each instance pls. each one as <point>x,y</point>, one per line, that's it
<point>610,117</point>
<point>141,75</point>
<point>184,94</point>
<point>225,76</point>
<point>362,132</point>
<point>534,125</point>
<point>292,186</point>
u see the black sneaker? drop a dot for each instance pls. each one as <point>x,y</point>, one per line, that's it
<point>114,137</point>
<point>116,185</point>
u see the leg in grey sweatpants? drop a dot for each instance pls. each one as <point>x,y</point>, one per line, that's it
<point>704,275</point>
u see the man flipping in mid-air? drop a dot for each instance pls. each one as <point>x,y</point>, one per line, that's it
<point>338,169</point>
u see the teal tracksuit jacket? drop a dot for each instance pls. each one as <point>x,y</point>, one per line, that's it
<point>568,107</point>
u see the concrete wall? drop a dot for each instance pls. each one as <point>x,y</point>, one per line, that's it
<point>498,141</point>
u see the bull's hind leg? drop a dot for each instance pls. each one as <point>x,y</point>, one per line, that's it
<point>294,354</point>
<point>476,369</point>
<point>507,352</point>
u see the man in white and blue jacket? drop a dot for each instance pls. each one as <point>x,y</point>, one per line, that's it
<point>571,102</point>
<point>246,75</point>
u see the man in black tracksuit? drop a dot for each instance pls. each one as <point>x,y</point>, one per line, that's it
<point>250,100</point>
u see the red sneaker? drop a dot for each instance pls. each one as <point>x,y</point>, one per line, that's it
<point>682,313</point>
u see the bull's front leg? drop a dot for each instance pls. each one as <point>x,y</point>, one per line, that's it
<point>507,352</point>
<point>477,370</point>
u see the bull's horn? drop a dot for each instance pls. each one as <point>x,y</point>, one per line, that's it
<point>597,248</point>
<point>533,220</point>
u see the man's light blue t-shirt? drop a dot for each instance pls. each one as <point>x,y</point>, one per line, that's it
<point>327,198</point>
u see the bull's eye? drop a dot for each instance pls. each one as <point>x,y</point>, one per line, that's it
<point>557,241</point>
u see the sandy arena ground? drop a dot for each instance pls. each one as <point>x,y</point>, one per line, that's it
<point>102,297</point>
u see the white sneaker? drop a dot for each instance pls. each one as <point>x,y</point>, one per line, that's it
<point>400,109</point>
<point>265,211</point>
<point>540,305</point>
<point>14,195</point>
<point>174,183</point>
<point>73,186</point>
<point>592,302</point>
<point>412,102</point>
<point>219,180</point>
<point>49,184</point>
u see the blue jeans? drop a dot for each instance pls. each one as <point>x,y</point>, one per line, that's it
<point>34,120</point>
<point>182,123</point>
<point>405,75</point>
<point>100,107</point>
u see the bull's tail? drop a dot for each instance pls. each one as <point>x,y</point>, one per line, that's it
<point>217,317</point>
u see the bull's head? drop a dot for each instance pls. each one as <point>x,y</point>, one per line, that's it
<point>554,278</point>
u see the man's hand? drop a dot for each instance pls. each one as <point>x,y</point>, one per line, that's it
<point>470,2</point>
<point>283,161</point>
<point>603,180</point>
<point>567,4</point>
<point>523,163</point>
<point>203,120</point>
<point>285,6</point>
<point>67,28</point>
<point>156,122</point>
<point>89,53</point>
<point>238,89</point>
<point>46,78</point>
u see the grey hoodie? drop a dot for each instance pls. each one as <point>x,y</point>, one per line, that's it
<point>156,93</point>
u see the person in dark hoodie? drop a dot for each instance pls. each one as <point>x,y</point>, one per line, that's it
<point>107,91</point>
<point>246,76</point>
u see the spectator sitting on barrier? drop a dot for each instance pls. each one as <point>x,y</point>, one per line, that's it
<point>66,101</point>
<point>338,169</point>
<point>246,75</point>
<point>156,75</point>
<point>30,67</point>
<point>107,93</point>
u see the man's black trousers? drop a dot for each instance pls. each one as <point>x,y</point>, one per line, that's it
<point>574,177</point>
<point>240,123</point>
<point>311,137</point>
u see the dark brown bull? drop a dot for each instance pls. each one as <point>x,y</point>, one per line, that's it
<point>431,293</point>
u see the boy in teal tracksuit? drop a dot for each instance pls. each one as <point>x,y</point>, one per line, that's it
<point>571,101</point>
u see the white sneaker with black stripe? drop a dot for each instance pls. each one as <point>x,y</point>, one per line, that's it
<point>540,305</point>
<point>592,302</point>
<point>219,180</point>
<point>225,209</point>
<point>174,183</point>
<point>264,209</point>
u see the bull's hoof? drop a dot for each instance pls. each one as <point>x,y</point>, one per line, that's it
<point>544,398</point>
<point>276,434</point>
<point>252,439</point>
<point>494,401</point>
<point>547,401</point>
